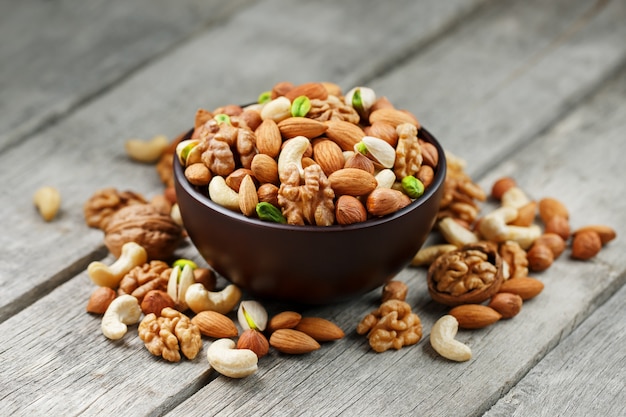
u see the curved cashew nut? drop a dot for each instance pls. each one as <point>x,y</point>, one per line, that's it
<point>179,283</point>
<point>110,276</point>
<point>427,255</point>
<point>277,109</point>
<point>200,299</point>
<point>380,150</point>
<point>514,197</point>
<point>122,311</point>
<point>146,151</point>
<point>222,194</point>
<point>292,154</point>
<point>456,234</point>
<point>385,178</point>
<point>525,236</point>
<point>231,362</point>
<point>443,341</point>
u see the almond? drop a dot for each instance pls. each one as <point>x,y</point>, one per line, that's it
<point>214,324</point>
<point>393,117</point>
<point>293,341</point>
<point>586,245</point>
<point>475,316</point>
<point>312,90</point>
<point>344,134</point>
<point>281,88</point>
<point>233,180</point>
<point>525,287</point>
<point>349,210</point>
<point>525,215</point>
<point>553,241</point>
<point>507,304</point>
<point>383,131</point>
<point>558,225</point>
<point>551,207</point>
<point>352,181</point>
<point>320,329</point>
<point>301,126</point>
<point>264,168</point>
<point>429,153</point>
<point>248,198</point>
<point>284,320</point>
<point>606,233</point>
<point>252,118</point>
<point>100,300</point>
<point>360,161</point>
<point>328,155</point>
<point>383,201</point>
<point>268,138</point>
<point>255,341</point>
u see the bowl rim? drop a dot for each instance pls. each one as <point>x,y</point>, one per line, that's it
<point>438,179</point>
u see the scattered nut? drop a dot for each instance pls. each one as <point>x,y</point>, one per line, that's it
<point>146,151</point>
<point>320,329</point>
<point>199,299</point>
<point>586,245</point>
<point>507,304</point>
<point>255,341</point>
<point>525,287</point>
<point>231,362</point>
<point>122,311</point>
<point>132,255</point>
<point>475,316</point>
<point>214,324</point>
<point>155,301</point>
<point>48,201</point>
<point>252,315</point>
<point>293,342</point>
<point>284,320</point>
<point>395,290</point>
<point>442,340</point>
<point>540,257</point>
<point>100,300</point>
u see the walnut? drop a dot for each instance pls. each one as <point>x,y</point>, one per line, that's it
<point>470,274</point>
<point>514,260</point>
<point>332,108</point>
<point>105,202</point>
<point>460,193</point>
<point>219,157</point>
<point>392,325</point>
<point>408,152</point>
<point>143,224</point>
<point>311,203</point>
<point>169,334</point>
<point>144,278</point>
<point>246,147</point>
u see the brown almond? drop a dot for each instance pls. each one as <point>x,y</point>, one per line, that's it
<point>383,131</point>
<point>429,153</point>
<point>268,138</point>
<point>328,155</point>
<point>344,134</point>
<point>248,198</point>
<point>558,225</point>
<point>507,304</point>
<point>233,180</point>
<point>606,233</point>
<point>320,329</point>
<point>475,316</point>
<point>586,245</point>
<point>360,161</point>
<point>352,181</point>
<point>525,215</point>
<point>383,201</point>
<point>392,117</point>
<point>425,174</point>
<point>264,168</point>
<point>349,210</point>
<point>281,88</point>
<point>301,126</point>
<point>100,300</point>
<point>252,118</point>
<point>312,90</point>
<point>551,207</point>
<point>553,241</point>
<point>255,341</point>
<point>214,324</point>
<point>284,320</point>
<point>293,341</point>
<point>525,287</point>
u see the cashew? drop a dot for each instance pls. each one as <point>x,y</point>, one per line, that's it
<point>292,154</point>
<point>200,299</point>
<point>178,284</point>
<point>146,151</point>
<point>443,341</point>
<point>514,197</point>
<point>380,150</point>
<point>231,362</point>
<point>110,276</point>
<point>494,225</point>
<point>385,178</point>
<point>427,255</point>
<point>175,214</point>
<point>222,194</point>
<point>122,311</point>
<point>277,109</point>
<point>525,236</point>
<point>456,234</point>
<point>48,201</point>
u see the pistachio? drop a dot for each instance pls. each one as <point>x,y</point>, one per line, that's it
<point>181,278</point>
<point>300,106</point>
<point>378,149</point>
<point>182,262</point>
<point>264,97</point>
<point>412,186</point>
<point>222,118</point>
<point>183,149</point>
<point>252,315</point>
<point>268,212</point>
<point>361,99</point>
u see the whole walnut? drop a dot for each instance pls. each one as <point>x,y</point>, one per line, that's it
<point>143,224</point>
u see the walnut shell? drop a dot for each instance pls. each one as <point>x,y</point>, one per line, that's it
<point>472,296</point>
<point>143,224</point>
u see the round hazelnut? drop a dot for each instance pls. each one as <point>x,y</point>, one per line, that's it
<point>100,300</point>
<point>501,186</point>
<point>586,245</point>
<point>540,257</point>
<point>155,301</point>
<point>553,241</point>
<point>558,225</point>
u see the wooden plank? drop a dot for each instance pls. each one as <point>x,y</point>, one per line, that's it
<point>88,145</point>
<point>583,375</point>
<point>57,55</point>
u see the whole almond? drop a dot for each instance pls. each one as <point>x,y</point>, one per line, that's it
<point>284,320</point>
<point>425,174</point>
<point>349,210</point>
<point>606,233</point>
<point>320,329</point>
<point>344,134</point>
<point>248,198</point>
<point>214,324</point>
<point>586,245</point>
<point>475,316</point>
<point>255,341</point>
<point>429,153</point>
<point>525,287</point>
<point>383,201</point>
<point>525,215</point>
<point>393,117</point>
<point>328,155</point>
<point>293,341</point>
<point>507,304</point>
<point>384,131</point>
<point>352,181</point>
<point>156,300</point>
<point>268,138</point>
<point>558,225</point>
<point>312,90</point>
<point>100,300</point>
<point>264,168</point>
<point>301,126</point>
<point>551,207</point>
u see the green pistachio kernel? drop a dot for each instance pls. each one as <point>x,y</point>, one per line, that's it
<point>300,106</point>
<point>182,262</point>
<point>357,102</point>
<point>412,186</point>
<point>264,97</point>
<point>268,212</point>
<point>222,118</point>
<point>361,148</point>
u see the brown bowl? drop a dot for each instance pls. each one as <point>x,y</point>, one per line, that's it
<point>308,264</point>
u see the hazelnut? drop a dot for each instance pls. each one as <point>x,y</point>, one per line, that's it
<point>553,241</point>
<point>558,225</point>
<point>540,257</point>
<point>100,300</point>
<point>501,186</point>
<point>586,245</point>
<point>507,304</point>
<point>255,341</point>
<point>155,301</point>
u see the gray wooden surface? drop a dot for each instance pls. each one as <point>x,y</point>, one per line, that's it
<point>531,89</point>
